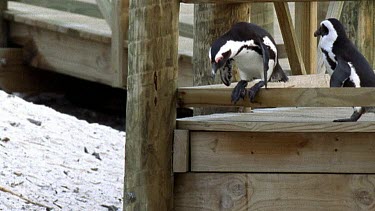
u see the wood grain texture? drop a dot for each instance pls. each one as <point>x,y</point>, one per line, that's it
<point>282,152</point>
<point>279,97</point>
<point>306,24</point>
<point>365,33</point>
<point>3,28</point>
<point>151,104</point>
<point>105,9</point>
<point>181,151</point>
<point>290,41</point>
<point>120,26</point>
<point>62,53</point>
<point>245,1</point>
<point>261,192</point>
<point>11,56</point>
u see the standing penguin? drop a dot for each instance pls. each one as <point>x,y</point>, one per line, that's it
<point>346,65</point>
<point>255,53</point>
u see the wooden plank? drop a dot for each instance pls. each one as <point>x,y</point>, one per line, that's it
<point>181,151</point>
<point>3,27</point>
<point>82,7</point>
<point>63,53</point>
<point>282,152</point>
<point>279,97</point>
<point>120,25</point>
<point>105,8</point>
<point>290,41</point>
<point>315,192</point>
<point>306,24</point>
<point>151,104</point>
<point>365,33</point>
<point>246,1</point>
<point>63,22</point>
<point>11,56</point>
<point>334,11</point>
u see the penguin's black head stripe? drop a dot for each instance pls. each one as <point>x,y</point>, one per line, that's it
<point>322,31</point>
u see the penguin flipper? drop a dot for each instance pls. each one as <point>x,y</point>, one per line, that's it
<point>340,74</point>
<point>266,59</point>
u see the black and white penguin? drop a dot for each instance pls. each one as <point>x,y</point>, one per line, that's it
<point>255,53</point>
<point>346,65</point>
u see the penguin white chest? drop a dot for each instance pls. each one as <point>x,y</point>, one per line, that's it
<point>250,65</point>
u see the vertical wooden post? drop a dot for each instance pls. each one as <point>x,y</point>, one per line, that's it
<point>120,25</point>
<point>365,33</point>
<point>3,28</point>
<point>151,104</point>
<point>290,41</point>
<point>306,24</point>
<point>210,22</point>
<point>263,14</point>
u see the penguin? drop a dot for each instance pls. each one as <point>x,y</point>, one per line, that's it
<point>255,53</point>
<point>343,61</point>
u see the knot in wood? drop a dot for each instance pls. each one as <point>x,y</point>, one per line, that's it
<point>129,197</point>
<point>364,197</point>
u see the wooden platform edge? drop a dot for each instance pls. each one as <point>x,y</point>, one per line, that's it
<point>181,151</point>
<point>209,191</point>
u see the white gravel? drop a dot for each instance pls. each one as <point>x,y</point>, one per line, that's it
<point>42,157</point>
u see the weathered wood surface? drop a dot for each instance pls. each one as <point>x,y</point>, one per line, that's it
<point>282,152</point>
<point>306,24</point>
<point>290,41</point>
<point>66,23</point>
<point>83,7</point>
<point>245,1</point>
<point>11,56</point>
<point>151,104</point>
<point>105,8</point>
<point>208,191</point>
<point>3,28</point>
<point>281,120</point>
<point>279,97</point>
<point>181,151</point>
<point>120,26</point>
<point>366,28</point>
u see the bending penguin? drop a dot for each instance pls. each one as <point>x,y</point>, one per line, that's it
<point>255,53</point>
<point>346,65</point>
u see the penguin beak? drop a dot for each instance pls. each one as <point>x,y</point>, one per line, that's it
<point>214,70</point>
<point>317,33</point>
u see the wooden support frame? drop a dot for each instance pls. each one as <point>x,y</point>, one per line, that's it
<point>290,41</point>
<point>306,24</point>
<point>105,8</point>
<point>181,151</point>
<point>151,104</point>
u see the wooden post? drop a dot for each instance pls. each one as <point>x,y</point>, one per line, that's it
<point>306,24</point>
<point>3,28</point>
<point>210,22</point>
<point>263,14</point>
<point>365,33</point>
<point>120,25</point>
<point>151,104</point>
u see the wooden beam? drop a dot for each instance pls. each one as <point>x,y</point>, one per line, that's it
<point>3,27</point>
<point>82,7</point>
<point>120,26</point>
<point>334,11</point>
<point>290,41</point>
<point>181,151</point>
<point>151,104</point>
<point>280,97</point>
<point>365,33</point>
<point>306,24</point>
<point>11,56</point>
<point>105,8</point>
<point>246,1</point>
<point>282,152</point>
<point>310,192</point>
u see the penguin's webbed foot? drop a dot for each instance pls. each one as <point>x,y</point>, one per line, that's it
<point>355,116</point>
<point>253,91</point>
<point>239,91</point>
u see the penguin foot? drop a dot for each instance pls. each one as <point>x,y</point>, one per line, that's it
<point>239,91</point>
<point>253,91</point>
<point>355,116</point>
